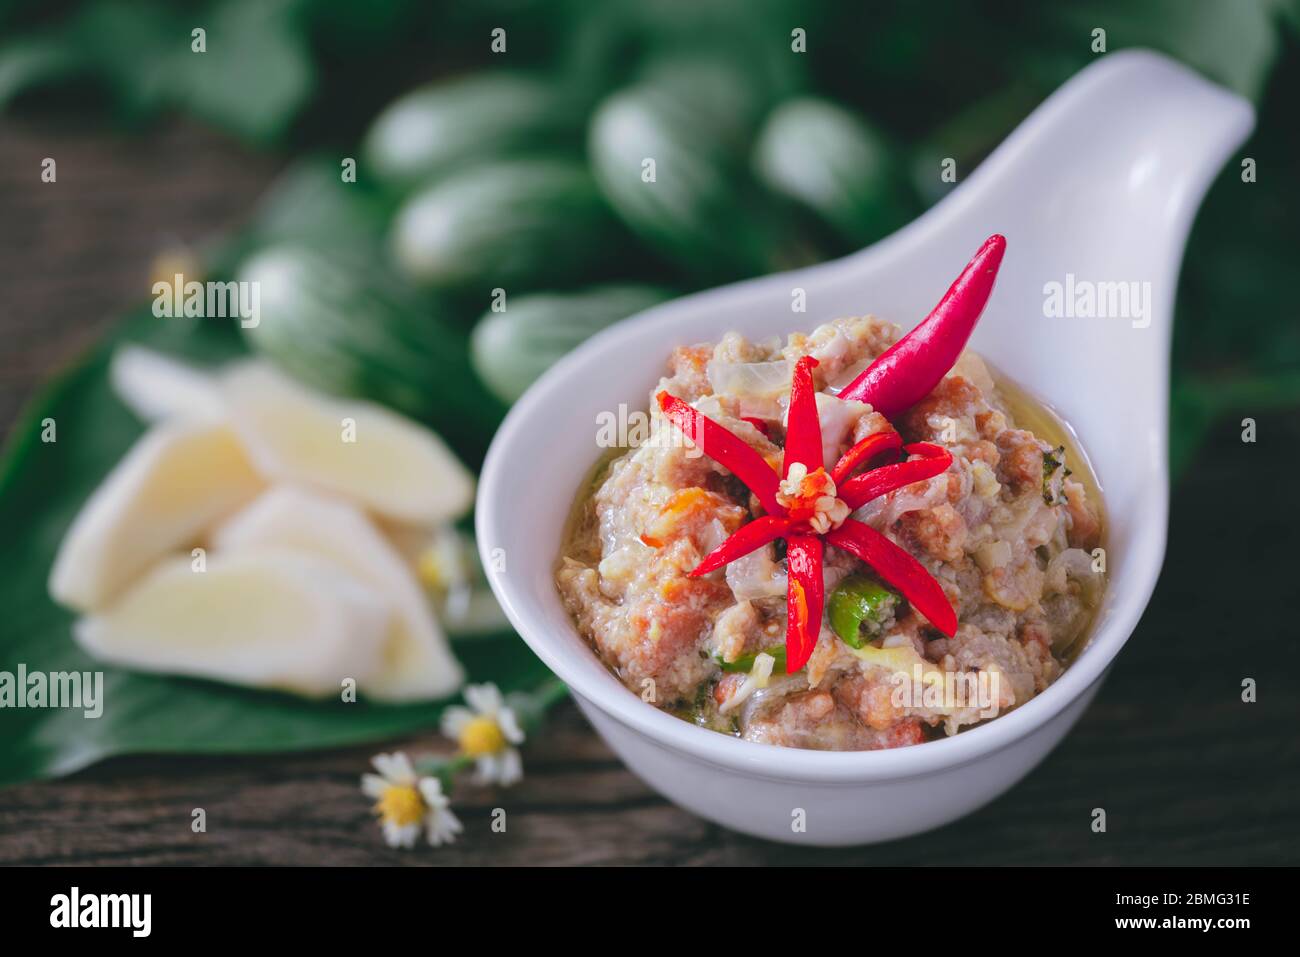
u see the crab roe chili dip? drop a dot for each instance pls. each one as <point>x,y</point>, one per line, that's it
<point>844,541</point>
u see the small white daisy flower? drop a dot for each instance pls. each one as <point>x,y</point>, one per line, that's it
<point>408,804</point>
<point>488,732</point>
<point>440,825</point>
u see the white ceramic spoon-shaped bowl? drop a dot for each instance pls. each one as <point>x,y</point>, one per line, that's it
<point>1100,183</point>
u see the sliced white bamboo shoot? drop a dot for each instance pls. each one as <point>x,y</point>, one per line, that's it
<point>177,480</point>
<point>350,447</point>
<point>416,661</point>
<point>156,386</point>
<point>269,618</point>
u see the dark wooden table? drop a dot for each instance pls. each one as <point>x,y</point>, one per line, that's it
<point>1187,772</point>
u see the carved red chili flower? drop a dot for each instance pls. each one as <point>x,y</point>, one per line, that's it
<point>808,506</point>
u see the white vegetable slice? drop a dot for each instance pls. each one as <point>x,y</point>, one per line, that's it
<point>177,480</point>
<point>415,660</point>
<point>756,575</point>
<point>749,379</point>
<point>351,447</point>
<point>838,418</point>
<point>156,386</point>
<point>277,619</point>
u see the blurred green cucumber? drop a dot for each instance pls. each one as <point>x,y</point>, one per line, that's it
<point>831,161</point>
<point>668,153</point>
<point>612,41</point>
<point>435,129</point>
<point>511,224</point>
<point>309,204</point>
<point>343,327</point>
<point>512,348</point>
<point>718,95</point>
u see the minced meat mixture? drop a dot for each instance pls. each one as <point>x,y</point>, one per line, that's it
<point>1006,531</point>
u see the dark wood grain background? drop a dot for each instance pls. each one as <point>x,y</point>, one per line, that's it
<point>1187,772</point>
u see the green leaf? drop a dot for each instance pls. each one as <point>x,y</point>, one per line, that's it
<point>32,61</point>
<point>309,204</point>
<point>125,48</point>
<point>254,76</point>
<point>257,71</point>
<point>1198,404</point>
<point>133,46</point>
<point>42,485</point>
<point>1233,43</point>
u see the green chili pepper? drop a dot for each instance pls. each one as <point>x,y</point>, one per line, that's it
<point>859,601</point>
<point>746,662</point>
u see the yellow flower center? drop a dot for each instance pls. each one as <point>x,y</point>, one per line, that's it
<point>481,736</point>
<point>400,804</point>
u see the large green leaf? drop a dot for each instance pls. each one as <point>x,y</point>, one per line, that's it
<point>42,485</point>
<point>257,72</point>
<point>253,76</point>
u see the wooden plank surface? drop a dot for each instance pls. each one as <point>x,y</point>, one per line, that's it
<point>1187,772</point>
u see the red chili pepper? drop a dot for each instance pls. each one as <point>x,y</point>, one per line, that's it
<point>907,371</point>
<point>861,489</point>
<point>758,424</point>
<point>726,449</point>
<point>866,450</point>
<point>748,538</point>
<point>899,569</point>
<point>928,449</point>
<point>803,433</point>
<point>803,603</point>
<point>897,379</point>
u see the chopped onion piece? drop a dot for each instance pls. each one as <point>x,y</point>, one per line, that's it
<point>972,368</point>
<point>756,575</point>
<point>993,555</point>
<point>1076,564</point>
<point>757,679</point>
<point>755,379</point>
